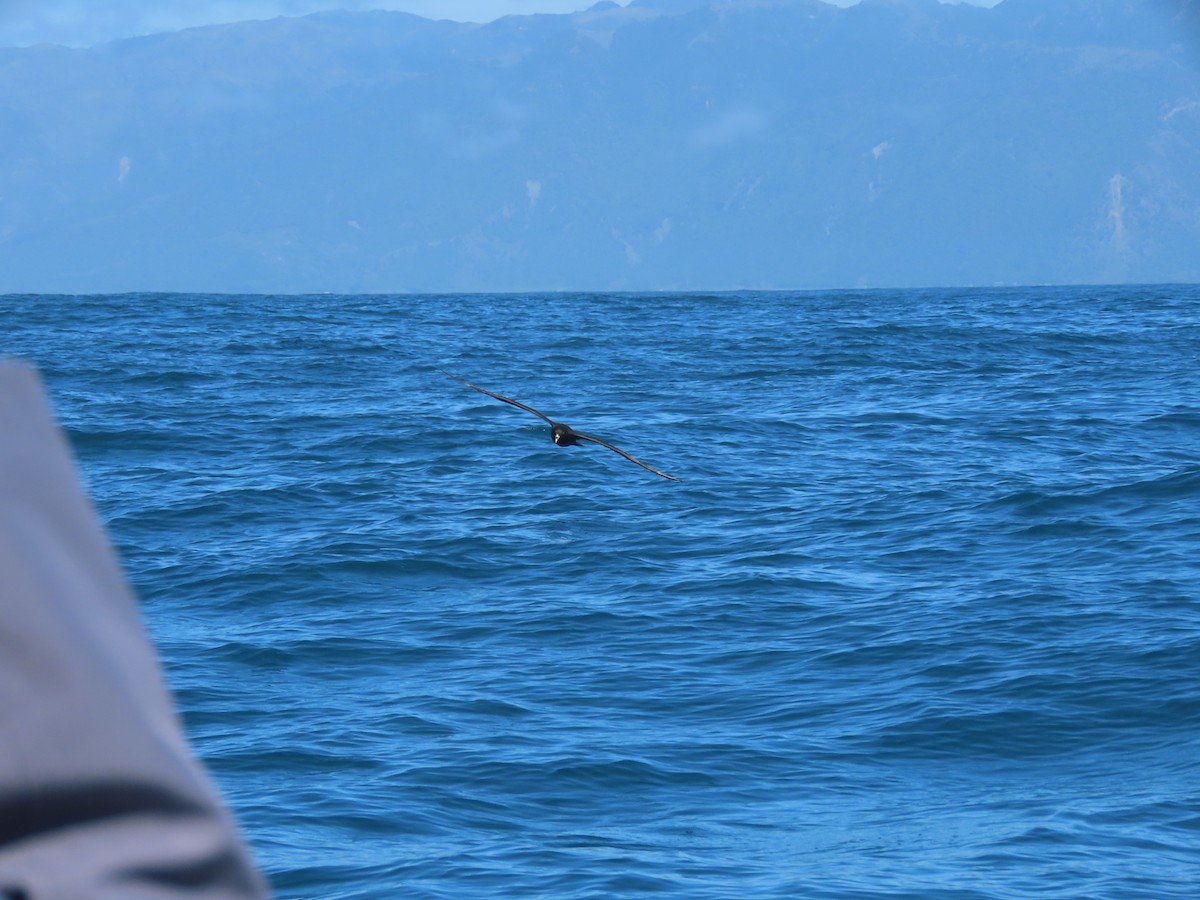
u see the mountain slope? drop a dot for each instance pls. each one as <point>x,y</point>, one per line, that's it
<point>667,144</point>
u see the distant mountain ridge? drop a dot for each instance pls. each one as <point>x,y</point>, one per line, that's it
<point>669,144</point>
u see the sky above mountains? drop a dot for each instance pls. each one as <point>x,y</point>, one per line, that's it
<point>81,23</point>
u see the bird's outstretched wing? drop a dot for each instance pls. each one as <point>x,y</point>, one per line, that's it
<point>596,440</point>
<point>502,397</point>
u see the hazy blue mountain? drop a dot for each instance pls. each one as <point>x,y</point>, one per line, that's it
<point>667,144</point>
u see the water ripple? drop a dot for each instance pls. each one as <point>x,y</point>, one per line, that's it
<point>920,620</point>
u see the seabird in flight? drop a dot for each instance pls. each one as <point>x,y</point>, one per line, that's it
<point>565,435</point>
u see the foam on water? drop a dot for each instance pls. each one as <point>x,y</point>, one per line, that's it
<point>922,619</point>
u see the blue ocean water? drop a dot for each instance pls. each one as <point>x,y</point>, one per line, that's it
<point>921,620</point>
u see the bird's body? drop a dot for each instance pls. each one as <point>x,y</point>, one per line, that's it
<point>564,435</point>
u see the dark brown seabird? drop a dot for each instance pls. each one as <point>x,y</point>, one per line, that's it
<point>564,435</point>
